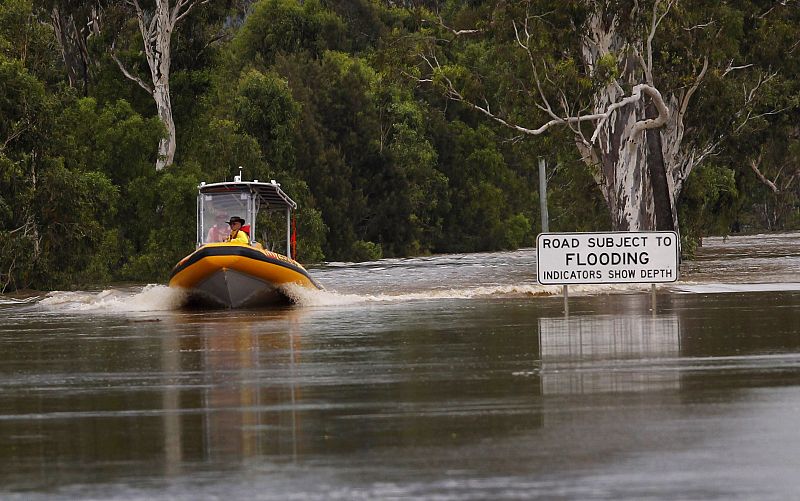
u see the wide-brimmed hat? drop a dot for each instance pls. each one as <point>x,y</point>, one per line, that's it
<point>236,219</point>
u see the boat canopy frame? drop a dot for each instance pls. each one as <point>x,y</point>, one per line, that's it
<point>241,197</point>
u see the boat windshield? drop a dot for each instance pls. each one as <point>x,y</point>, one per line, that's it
<point>218,202</point>
<point>216,209</point>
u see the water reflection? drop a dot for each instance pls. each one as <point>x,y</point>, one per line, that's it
<point>170,360</point>
<point>604,353</point>
<point>484,397</point>
<point>244,387</point>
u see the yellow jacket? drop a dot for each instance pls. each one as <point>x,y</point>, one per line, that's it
<point>240,238</point>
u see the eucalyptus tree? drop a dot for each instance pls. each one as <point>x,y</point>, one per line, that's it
<point>56,201</point>
<point>156,24</point>
<point>621,75</point>
<point>769,143</point>
<point>74,23</point>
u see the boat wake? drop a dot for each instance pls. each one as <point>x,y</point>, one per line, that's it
<point>162,298</point>
<point>135,299</point>
<point>731,287</point>
<point>306,297</point>
<point>10,301</point>
<point>154,297</point>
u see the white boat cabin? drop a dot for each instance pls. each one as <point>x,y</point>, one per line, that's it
<point>217,203</point>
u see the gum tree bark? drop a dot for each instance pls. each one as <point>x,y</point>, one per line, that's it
<point>641,176</point>
<point>662,201</point>
<point>636,150</point>
<point>72,38</point>
<point>156,27</point>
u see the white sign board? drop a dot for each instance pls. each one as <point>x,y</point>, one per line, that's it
<point>607,258</point>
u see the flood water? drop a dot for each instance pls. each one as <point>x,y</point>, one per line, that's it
<point>447,377</point>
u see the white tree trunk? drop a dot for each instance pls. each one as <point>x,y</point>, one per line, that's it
<point>620,152</point>
<point>156,27</point>
<point>166,147</point>
<point>157,39</point>
<point>626,166</point>
<point>636,152</point>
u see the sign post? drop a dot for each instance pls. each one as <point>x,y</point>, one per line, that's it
<point>543,195</point>
<point>647,257</point>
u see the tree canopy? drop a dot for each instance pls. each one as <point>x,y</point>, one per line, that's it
<point>391,123</point>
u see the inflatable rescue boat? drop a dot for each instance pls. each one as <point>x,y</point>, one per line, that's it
<point>226,272</point>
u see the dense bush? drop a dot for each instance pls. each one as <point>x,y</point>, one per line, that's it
<point>323,96</point>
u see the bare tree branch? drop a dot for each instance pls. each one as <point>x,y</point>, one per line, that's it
<point>16,133</point>
<point>440,22</point>
<point>188,4</point>
<point>635,96</point>
<point>526,46</point>
<point>685,103</point>
<point>10,275</point>
<point>750,116</point>
<point>654,23</point>
<point>762,79</point>
<point>731,67</point>
<point>700,26</point>
<point>128,74</point>
<point>779,3</point>
<point>754,165</point>
<point>693,158</point>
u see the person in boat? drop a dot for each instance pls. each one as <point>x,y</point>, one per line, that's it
<point>237,235</point>
<point>219,232</point>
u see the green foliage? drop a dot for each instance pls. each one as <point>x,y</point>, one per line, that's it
<point>25,39</point>
<point>23,102</point>
<point>113,139</point>
<point>365,251</point>
<point>65,167</point>
<point>708,205</point>
<point>72,209</point>
<point>170,227</point>
<point>286,26</point>
<point>517,232</point>
<point>264,106</point>
<point>485,195</point>
<point>606,70</point>
<point>322,96</point>
<point>311,231</point>
<point>222,147</point>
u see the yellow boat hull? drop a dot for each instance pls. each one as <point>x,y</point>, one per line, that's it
<point>231,275</point>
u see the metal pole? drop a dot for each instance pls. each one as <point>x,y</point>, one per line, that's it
<point>253,213</point>
<point>200,219</point>
<point>543,195</point>
<point>288,232</point>
<point>653,298</point>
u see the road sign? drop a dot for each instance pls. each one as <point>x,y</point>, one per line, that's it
<point>607,258</point>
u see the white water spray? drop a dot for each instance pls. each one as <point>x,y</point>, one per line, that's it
<point>150,298</point>
<point>306,297</point>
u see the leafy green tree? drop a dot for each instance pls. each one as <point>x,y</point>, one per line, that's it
<point>264,106</point>
<point>221,147</point>
<point>170,229</point>
<point>55,216</point>
<point>625,88</point>
<point>117,142</point>
<point>323,97</point>
<point>156,25</point>
<point>285,26</point>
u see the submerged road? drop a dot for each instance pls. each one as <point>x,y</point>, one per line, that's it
<point>447,377</point>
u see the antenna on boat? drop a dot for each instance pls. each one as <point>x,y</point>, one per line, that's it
<point>238,179</point>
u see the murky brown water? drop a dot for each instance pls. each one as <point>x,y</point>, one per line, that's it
<point>450,377</point>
